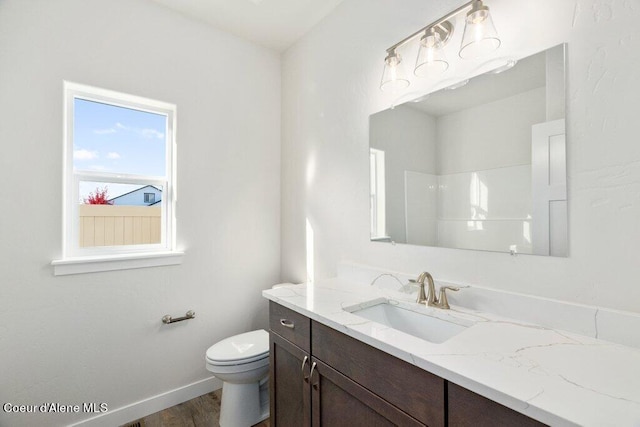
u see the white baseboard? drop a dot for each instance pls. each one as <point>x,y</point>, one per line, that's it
<point>153,404</point>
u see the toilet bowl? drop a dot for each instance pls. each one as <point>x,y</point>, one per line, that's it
<point>241,362</point>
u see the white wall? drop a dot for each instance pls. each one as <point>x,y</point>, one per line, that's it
<point>98,337</point>
<point>330,87</point>
<point>485,173</point>
<point>421,207</point>
<point>408,138</point>
<point>486,210</point>
<point>494,135</point>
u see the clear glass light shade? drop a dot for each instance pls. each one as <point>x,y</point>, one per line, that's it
<point>393,76</point>
<point>480,36</point>
<point>431,60</point>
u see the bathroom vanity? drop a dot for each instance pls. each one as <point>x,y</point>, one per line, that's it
<point>331,366</point>
<point>320,376</point>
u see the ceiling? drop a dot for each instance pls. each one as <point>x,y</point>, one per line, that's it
<point>528,73</point>
<point>276,24</point>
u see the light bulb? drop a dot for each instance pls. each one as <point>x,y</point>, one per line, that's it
<point>480,36</point>
<point>393,76</point>
<point>431,59</point>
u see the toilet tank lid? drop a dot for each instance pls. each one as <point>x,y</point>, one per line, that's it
<point>249,345</point>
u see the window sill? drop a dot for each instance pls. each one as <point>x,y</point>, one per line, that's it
<point>94,264</point>
<point>381,239</point>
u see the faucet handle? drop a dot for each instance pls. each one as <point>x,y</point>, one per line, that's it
<point>422,297</point>
<point>442,301</point>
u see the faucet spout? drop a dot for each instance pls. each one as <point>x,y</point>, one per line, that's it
<point>430,297</point>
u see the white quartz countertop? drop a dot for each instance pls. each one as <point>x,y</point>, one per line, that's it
<point>556,377</point>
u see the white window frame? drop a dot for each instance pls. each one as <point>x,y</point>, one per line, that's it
<point>76,259</point>
<point>377,197</point>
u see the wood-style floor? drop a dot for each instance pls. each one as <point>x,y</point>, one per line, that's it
<point>203,411</point>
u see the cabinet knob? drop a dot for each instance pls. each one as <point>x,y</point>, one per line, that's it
<point>287,323</point>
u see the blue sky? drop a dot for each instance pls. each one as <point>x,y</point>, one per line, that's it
<point>118,140</point>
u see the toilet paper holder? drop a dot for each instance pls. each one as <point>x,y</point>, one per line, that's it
<point>166,319</point>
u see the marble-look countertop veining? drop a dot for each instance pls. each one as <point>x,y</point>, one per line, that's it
<point>556,377</point>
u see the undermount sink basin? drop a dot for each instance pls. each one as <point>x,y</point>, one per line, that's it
<point>410,322</point>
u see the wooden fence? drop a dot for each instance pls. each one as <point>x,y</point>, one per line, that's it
<point>106,225</point>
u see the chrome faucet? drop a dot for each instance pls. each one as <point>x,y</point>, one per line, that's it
<point>430,298</point>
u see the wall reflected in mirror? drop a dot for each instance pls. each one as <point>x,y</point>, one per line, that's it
<point>479,167</point>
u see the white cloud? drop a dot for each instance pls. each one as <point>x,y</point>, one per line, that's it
<point>150,133</point>
<point>145,133</point>
<point>83,154</point>
<point>104,131</point>
<point>113,155</point>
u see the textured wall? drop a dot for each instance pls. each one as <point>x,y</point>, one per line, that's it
<point>98,337</point>
<point>330,81</point>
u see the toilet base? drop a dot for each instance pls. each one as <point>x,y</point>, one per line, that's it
<point>244,404</point>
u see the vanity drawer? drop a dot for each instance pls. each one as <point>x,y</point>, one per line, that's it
<point>407,387</point>
<point>292,326</point>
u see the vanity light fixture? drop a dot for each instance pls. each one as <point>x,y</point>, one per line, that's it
<point>479,38</point>
<point>431,59</point>
<point>393,75</point>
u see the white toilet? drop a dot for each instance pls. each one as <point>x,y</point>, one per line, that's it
<point>242,363</point>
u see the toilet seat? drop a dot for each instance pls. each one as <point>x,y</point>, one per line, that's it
<point>240,349</point>
<point>240,368</point>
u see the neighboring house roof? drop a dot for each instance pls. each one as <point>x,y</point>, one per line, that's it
<point>154,203</point>
<point>135,191</point>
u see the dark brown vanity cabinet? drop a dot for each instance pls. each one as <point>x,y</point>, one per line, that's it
<point>468,409</point>
<point>290,350</point>
<point>322,377</point>
<point>306,391</point>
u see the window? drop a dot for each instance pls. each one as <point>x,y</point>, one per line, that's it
<point>119,179</point>
<point>377,194</point>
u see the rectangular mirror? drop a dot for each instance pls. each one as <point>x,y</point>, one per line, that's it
<point>479,167</point>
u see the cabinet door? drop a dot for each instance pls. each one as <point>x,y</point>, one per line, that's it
<point>290,401</point>
<point>338,401</point>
